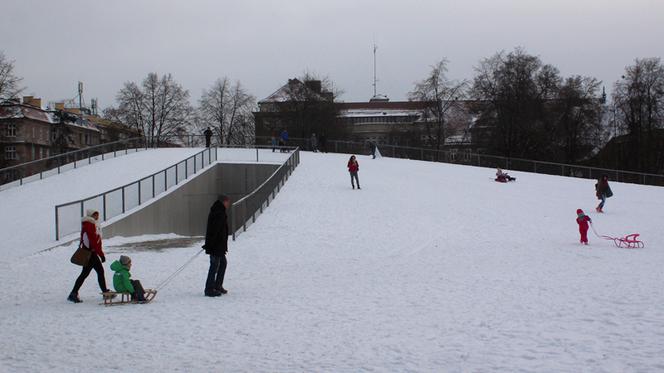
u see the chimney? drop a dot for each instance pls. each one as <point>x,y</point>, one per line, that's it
<point>32,101</point>
<point>314,85</point>
<point>60,106</point>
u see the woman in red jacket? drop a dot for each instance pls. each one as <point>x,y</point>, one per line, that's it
<point>91,240</point>
<point>353,168</point>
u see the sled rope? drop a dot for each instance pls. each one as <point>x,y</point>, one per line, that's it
<point>177,272</point>
<point>600,236</point>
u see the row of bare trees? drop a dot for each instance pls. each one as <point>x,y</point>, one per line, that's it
<point>521,107</point>
<point>160,109</point>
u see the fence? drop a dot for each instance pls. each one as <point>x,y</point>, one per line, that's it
<point>124,198</point>
<point>45,167</point>
<point>245,210</point>
<point>481,160</point>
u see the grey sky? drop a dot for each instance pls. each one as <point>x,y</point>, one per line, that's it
<point>263,43</point>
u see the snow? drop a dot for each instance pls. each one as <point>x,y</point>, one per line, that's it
<point>430,267</point>
<point>27,221</point>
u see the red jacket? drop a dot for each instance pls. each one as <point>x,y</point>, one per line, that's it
<point>583,222</point>
<point>353,166</point>
<point>90,236</point>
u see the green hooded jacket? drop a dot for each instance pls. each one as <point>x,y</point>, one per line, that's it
<point>121,278</point>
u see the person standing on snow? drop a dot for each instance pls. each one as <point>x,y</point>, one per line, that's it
<point>90,240</point>
<point>284,140</point>
<point>602,191</point>
<point>314,143</point>
<point>216,245</point>
<point>583,220</point>
<point>354,168</point>
<point>208,137</point>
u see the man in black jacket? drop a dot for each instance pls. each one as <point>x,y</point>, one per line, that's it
<point>216,245</point>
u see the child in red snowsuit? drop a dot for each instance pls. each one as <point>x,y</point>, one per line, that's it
<point>583,220</point>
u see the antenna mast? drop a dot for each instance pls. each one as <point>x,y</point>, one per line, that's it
<point>375,47</point>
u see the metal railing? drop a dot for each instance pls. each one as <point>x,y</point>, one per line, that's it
<point>246,209</point>
<point>119,200</point>
<point>480,160</point>
<point>45,167</point>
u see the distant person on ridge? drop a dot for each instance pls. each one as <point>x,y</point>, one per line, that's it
<point>372,148</point>
<point>208,137</point>
<point>90,240</point>
<point>354,168</point>
<point>216,245</point>
<point>602,191</point>
<point>273,141</point>
<point>583,220</point>
<point>314,143</point>
<point>284,140</point>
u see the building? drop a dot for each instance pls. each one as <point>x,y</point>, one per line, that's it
<point>29,132</point>
<point>379,120</point>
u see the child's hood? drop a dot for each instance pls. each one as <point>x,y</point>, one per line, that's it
<point>117,266</point>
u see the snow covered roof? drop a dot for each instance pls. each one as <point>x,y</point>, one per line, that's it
<point>361,113</point>
<point>10,110</point>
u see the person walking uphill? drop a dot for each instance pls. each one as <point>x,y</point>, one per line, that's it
<point>583,220</point>
<point>90,240</point>
<point>602,191</point>
<point>354,168</point>
<point>216,245</point>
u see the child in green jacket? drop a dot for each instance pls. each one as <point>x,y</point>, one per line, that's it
<point>122,281</point>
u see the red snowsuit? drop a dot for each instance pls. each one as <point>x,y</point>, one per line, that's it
<point>90,237</point>
<point>583,221</point>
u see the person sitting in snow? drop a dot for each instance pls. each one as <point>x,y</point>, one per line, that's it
<point>503,177</point>
<point>583,220</point>
<point>122,281</point>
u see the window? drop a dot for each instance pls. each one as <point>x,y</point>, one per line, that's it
<point>10,131</point>
<point>10,153</point>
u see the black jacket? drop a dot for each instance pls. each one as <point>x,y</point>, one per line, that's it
<point>216,234</point>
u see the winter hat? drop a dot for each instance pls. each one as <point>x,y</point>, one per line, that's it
<point>90,212</point>
<point>579,212</point>
<point>124,260</point>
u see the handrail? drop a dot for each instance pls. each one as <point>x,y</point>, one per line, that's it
<point>269,187</point>
<point>165,171</point>
<point>641,177</point>
<point>44,167</point>
<point>63,155</point>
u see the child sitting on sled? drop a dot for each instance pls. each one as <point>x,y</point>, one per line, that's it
<point>503,177</point>
<point>583,220</point>
<point>122,281</point>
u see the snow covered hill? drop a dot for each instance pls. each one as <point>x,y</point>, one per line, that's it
<point>430,267</point>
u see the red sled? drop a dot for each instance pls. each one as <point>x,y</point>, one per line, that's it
<point>631,241</point>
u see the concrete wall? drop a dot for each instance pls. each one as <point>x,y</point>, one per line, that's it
<point>184,210</point>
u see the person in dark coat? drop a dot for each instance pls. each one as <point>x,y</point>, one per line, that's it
<point>602,191</point>
<point>208,137</point>
<point>322,142</point>
<point>216,246</point>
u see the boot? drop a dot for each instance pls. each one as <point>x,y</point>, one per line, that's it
<point>73,297</point>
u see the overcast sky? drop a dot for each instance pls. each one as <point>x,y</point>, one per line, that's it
<point>263,43</point>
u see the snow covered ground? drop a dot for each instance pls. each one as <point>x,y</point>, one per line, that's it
<point>429,267</point>
<point>27,221</point>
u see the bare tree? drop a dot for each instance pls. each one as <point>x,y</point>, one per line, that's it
<point>639,100</point>
<point>228,110</point>
<point>159,108</point>
<point>578,112</point>
<point>9,82</point>
<point>513,89</point>
<point>441,94</point>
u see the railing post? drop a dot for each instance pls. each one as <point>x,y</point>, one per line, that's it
<point>103,206</point>
<point>123,200</point>
<point>233,221</point>
<point>165,180</point>
<point>256,154</point>
<point>139,192</point>
<point>153,195</point>
<point>176,173</point>
<point>57,225</point>
<point>186,168</point>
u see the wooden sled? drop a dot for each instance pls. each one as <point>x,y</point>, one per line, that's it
<point>112,298</point>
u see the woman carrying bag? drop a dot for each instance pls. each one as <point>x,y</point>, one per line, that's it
<point>91,242</point>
